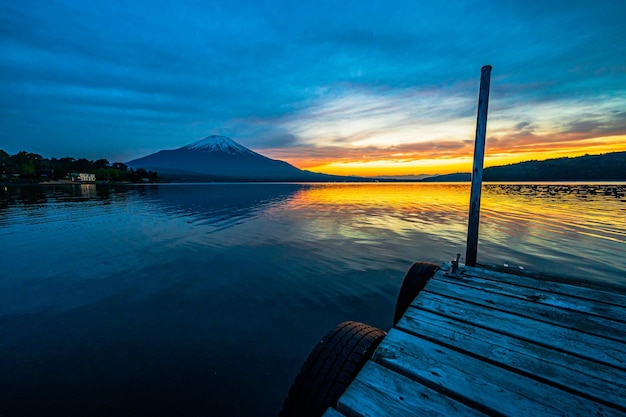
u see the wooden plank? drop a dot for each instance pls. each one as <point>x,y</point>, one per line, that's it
<point>540,296</point>
<point>594,348</point>
<point>331,412</point>
<point>527,307</point>
<point>482,385</point>
<point>378,391</point>
<point>602,383</point>
<point>614,297</point>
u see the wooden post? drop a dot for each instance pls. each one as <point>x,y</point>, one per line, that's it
<point>477,170</point>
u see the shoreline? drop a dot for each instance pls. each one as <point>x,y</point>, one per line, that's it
<point>66,182</point>
<point>27,183</point>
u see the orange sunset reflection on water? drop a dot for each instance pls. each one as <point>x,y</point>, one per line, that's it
<point>515,218</point>
<point>397,207</point>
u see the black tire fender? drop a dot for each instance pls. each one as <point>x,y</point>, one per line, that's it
<point>414,281</point>
<point>330,368</point>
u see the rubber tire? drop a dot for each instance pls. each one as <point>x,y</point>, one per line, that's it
<point>330,368</point>
<point>414,282</point>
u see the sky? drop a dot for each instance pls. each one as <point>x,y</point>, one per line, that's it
<point>342,87</point>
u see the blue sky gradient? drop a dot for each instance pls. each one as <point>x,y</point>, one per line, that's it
<point>309,82</point>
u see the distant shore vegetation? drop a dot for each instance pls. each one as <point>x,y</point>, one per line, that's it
<point>26,167</point>
<point>31,167</point>
<point>603,167</point>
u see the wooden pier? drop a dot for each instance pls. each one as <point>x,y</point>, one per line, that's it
<point>475,341</point>
<point>480,342</point>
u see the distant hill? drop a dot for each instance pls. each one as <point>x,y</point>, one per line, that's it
<point>394,178</point>
<point>218,158</point>
<point>456,177</point>
<point>604,167</point>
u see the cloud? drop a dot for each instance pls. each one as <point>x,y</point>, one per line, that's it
<point>355,79</point>
<point>525,126</point>
<point>584,126</point>
<point>528,129</point>
<point>305,157</point>
<point>362,117</point>
<point>273,139</point>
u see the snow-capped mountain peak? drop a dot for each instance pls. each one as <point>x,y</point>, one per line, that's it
<point>217,143</point>
<point>218,158</point>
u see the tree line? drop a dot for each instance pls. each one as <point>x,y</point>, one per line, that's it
<point>605,167</point>
<point>34,167</point>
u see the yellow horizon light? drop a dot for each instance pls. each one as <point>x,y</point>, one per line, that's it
<point>463,163</point>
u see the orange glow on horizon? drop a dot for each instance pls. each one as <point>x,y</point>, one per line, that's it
<point>380,162</point>
<point>381,168</point>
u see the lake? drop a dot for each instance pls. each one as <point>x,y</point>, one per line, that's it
<point>205,299</point>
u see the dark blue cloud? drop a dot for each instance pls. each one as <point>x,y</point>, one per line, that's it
<point>139,76</point>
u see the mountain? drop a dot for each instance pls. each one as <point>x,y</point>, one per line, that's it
<point>394,178</point>
<point>456,177</point>
<point>218,158</point>
<point>604,167</point>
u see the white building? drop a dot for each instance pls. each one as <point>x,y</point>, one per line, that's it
<point>82,177</point>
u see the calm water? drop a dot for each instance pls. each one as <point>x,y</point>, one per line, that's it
<point>201,300</point>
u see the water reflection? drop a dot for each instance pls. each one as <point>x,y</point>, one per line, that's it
<point>365,211</point>
<point>559,190</point>
<point>218,205</point>
<point>515,216</point>
<point>21,195</point>
<point>166,299</point>
<point>87,190</point>
<point>586,209</point>
<point>579,209</point>
<point>535,225</point>
<point>40,194</point>
<point>568,229</point>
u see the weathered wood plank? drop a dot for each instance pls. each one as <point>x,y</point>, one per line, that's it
<point>594,348</point>
<point>540,296</point>
<point>482,385</point>
<point>616,298</point>
<point>527,307</point>
<point>378,391</point>
<point>603,383</point>
<point>331,412</point>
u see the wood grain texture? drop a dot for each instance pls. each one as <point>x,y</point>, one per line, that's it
<point>378,391</point>
<point>482,385</point>
<point>616,298</point>
<point>594,348</point>
<point>331,412</point>
<point>602,383</point>
<point>557,313</point>
<point>487,342</point>
<point>542,296</point>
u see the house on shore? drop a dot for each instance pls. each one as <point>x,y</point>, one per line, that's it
<point>82,177</point>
